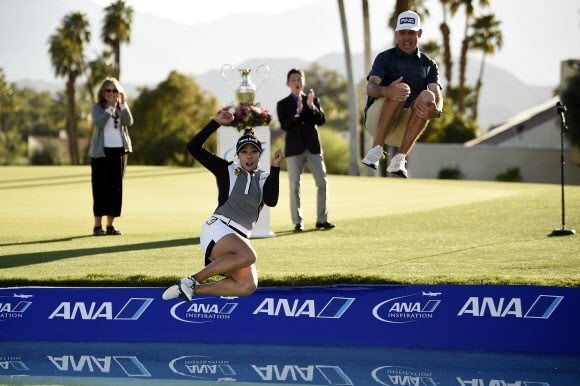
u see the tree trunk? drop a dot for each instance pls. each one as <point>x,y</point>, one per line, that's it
<point>448,63</point>
<point>71,124</point>
<point>353,169</point>
<point>366,137</point>
<point>89,85</point>
<point>478,87</point>
<point>117,50</point>
<point>367,36</point>
<point>462,71</point>
<point>400,7</point>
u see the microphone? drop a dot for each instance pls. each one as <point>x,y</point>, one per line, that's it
<point>560,109</point>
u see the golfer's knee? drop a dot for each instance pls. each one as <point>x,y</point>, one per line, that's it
<point>249,257</point>
<point>247,287</point>
<point>247,291</point>
<point>427,95</point>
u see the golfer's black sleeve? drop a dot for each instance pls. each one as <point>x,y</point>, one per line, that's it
<point>272,187</point>
<point>216,165</point>
<point>195,146</point>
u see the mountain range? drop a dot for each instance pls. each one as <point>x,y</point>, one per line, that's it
<point>160,45</point>
<point>502,94</point>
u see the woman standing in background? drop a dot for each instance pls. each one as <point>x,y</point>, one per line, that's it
<point>108,153</point>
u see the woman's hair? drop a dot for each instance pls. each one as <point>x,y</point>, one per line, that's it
<point>101,94</point>
<point>250,131</point>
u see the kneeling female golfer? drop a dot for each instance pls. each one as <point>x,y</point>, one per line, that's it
<point>243,189</point>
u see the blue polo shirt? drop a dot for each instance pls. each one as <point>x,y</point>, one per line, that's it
<point>417,70</point>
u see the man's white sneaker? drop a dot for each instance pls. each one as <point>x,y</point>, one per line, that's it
<point>397,165</point>
<point>185,288</point>
<point>373,157</point>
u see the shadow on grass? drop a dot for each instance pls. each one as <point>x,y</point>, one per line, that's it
<point>448,253</point>
<point>46,241</point>
<point>26,180</point>
<point>76,178</point>
<point>23,259</point>
<point>294,233</point>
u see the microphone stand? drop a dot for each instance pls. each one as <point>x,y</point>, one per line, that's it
<point>562,232</point>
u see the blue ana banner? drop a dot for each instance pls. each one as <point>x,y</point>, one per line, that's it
<point>499,318</point>
<point>139,363</point>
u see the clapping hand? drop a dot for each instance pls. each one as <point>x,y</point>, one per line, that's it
<point>310,99</point>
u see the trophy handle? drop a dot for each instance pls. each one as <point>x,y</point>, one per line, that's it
<point>224,75</point>
<point>267,73</point>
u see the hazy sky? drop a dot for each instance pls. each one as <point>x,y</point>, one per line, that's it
<point>538,34</point>
<point>192,12</point>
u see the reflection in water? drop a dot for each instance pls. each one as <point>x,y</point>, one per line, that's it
<point>186,363</point>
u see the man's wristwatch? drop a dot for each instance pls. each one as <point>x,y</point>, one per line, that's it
<point>439,114</point>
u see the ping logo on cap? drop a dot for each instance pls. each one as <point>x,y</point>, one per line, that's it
<point>408,20</point>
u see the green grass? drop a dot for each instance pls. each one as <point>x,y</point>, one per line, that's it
<point>389,230</point>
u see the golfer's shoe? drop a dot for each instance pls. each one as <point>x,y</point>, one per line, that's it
<point>397,165</point>
<point>184,288</point>
<point>373,157</point>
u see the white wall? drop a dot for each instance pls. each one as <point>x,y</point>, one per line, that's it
<point>483,162</point>
<point>544,135</point>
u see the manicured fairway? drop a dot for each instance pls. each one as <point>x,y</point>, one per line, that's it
<point>389,230</point>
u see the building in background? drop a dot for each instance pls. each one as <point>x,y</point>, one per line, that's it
<point>528,143</point>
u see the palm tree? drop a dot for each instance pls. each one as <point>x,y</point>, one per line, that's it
<point>366,138</point>
<point>400,6</point>
<point>117,30</point>
<point>67,57</point>
<point>469,13</point>
<point>98,70</point>
<point>446,32</point>
<point>353,121</point>
<point>367,35</point>
<point>486,37</point>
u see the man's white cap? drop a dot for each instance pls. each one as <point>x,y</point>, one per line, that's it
<point>408,20</point>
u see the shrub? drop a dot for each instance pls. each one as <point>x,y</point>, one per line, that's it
<point>51,153</point>
<point>450,173</point>
<point>335,149</point>
<point>510,175</point>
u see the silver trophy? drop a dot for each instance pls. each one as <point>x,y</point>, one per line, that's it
<point>245,90</point>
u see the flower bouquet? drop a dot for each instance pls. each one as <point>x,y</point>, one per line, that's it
<point>248,115</point>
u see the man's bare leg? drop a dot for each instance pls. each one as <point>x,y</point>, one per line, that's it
<point>415,127</point>
<point>389,115</point>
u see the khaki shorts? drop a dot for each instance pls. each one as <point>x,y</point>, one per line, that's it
<point>372,123</point>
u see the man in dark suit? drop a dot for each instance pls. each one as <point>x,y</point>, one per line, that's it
<point>300,115</point>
